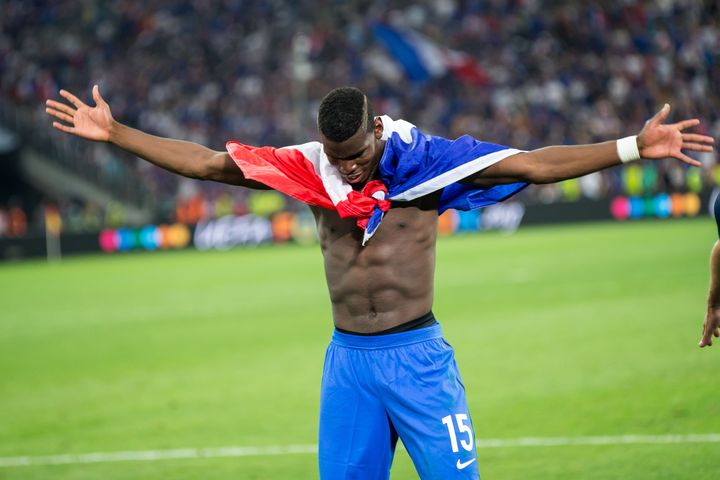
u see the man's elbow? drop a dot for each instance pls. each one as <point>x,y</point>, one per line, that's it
<point>543,178</point>
<point>199,167</point>
<point>537,172</point>
<point>219,167</point>
<point>213,167</point>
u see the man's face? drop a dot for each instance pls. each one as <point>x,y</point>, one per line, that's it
<point>357,157</point>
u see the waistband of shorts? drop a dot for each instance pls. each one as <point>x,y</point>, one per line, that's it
<point>386,341</point>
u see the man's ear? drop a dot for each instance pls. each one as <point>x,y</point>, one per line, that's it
<point>378,128</point>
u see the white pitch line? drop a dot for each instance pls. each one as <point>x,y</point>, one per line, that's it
<point>152,455</point>
<point>604,440</point>
<point>235,451</point>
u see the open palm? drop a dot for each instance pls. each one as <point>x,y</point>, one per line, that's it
<point>92,123</point>
<point>657,140</point>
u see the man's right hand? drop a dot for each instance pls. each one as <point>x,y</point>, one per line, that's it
<point>711,326</point>
<point>92,123</point>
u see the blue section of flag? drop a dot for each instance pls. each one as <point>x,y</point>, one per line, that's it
<point>405,166</point>
<point>403,51</point>
<point>374,221</point>
<point>464,197</point>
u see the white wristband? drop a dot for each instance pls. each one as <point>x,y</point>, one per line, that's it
<point>627,149</point>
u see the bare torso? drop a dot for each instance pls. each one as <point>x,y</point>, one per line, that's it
<point>390,280</point>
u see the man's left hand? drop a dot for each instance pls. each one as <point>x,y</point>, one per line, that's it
<point>657,140</point>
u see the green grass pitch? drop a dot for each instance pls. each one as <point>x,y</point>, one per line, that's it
<point>567,331</point>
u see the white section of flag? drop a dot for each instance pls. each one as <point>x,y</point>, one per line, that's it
<point>455,175</point>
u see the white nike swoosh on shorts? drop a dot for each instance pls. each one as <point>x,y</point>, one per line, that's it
<point>460,465</point>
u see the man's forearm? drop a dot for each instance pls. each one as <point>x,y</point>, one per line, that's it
<point>549,164</point>
<point>178,156</point>
<point>553,164</point>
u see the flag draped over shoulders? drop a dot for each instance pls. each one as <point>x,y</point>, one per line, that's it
<point>412,165</point>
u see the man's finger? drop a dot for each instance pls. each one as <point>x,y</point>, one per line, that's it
<point>684,158</point>
<point>706,339</point>
<point>696,147</point>
<point>661,115</point>
<point>63,128</point>
<point>61,107</point>
<point>62,116</point>
<point>694,137</point>
<point>687,124</point>
<point>72,99</point>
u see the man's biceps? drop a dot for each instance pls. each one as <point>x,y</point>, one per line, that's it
<point>507,170</point>
<point>512,166</point>
<point>232,174</point>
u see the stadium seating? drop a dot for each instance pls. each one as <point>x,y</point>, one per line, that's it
<point>212,71</point>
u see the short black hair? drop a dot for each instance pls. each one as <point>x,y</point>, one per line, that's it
<point>342,112</point>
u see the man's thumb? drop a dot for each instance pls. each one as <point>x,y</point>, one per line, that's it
<point>96,95</point>
<point>661,115</point>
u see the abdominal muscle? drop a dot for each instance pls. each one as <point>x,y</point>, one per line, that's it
<point>390,280</point>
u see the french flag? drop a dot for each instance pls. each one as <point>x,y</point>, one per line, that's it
<point>422,59</point>
<point>412,165</point>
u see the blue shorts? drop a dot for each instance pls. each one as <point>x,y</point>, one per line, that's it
<point>378,388</point>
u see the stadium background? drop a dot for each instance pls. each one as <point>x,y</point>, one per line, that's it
<point>181,325</point>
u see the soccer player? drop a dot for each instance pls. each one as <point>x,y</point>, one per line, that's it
<point>375,187</point>
<point>711,326</point>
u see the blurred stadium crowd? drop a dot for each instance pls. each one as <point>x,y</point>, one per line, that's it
<point>538,73</point>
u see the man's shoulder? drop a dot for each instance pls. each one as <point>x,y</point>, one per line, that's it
<point>312,146</point>
<point>313,151</point>
<point>403,128</point>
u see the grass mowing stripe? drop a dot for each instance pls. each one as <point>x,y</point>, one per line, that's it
<point>235,451</point>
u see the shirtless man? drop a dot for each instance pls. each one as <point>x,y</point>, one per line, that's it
<point>388,372</point>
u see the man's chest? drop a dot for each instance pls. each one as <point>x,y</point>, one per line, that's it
<point>404,224</point>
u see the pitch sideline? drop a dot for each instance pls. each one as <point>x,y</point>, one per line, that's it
<point>237,451</point>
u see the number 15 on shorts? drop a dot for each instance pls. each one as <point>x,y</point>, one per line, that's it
<point>463,428</point>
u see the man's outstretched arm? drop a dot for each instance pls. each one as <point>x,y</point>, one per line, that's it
<point>552,164</point>
<point>178,156</point>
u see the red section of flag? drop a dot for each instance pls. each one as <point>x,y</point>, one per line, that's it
<point>362,204</point>
<point>288,171</point>
<point>283,169</point>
